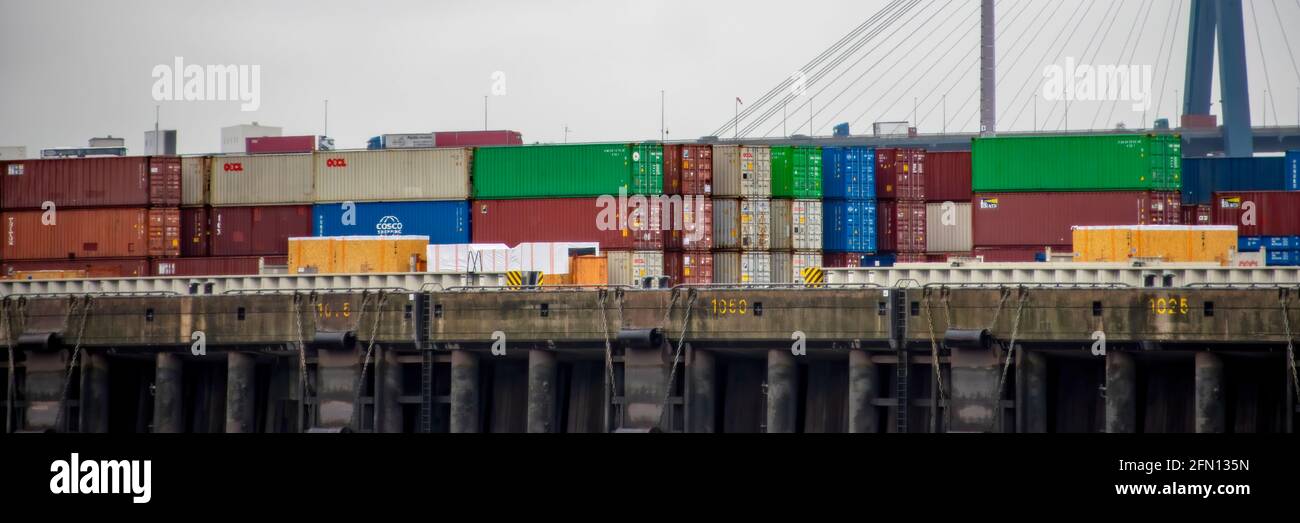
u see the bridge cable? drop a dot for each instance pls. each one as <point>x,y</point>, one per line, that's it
<point>770,112</point>
<point>1263,61</point>
<point>810,65</point>
<point>1033,94</point>
<point>1282,29</point>
<point>1113,12</point>
<point>1119,58</point>
<point>1006,71</point>
<point>1020,36</point>
<point>1136,44</point>
<point>854,82</point>
<point>998,36</point>
<point>1168,60</point>
<point>957,79</point>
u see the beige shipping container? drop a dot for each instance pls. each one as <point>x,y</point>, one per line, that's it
<point>271,179</point>
<point>796,225</point>
<point>733,267</point>
<point>948,227</point>
<point>755,224</point>
<point>628,267</point>
<point>195,172</point>
<point>787,267</point>
<point>742,171</point>
<point>392,175</point>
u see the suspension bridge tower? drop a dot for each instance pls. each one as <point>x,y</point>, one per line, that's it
<point>1221,18</point>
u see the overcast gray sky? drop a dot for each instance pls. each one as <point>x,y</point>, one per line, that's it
<point>76,69</point>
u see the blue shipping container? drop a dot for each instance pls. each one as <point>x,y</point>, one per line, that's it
<point>1283,259</point>
<point>1272,243</point>
<point>879,260</point>
<point>1291,171</point>
<point>443,222</point>
<point>849,225</point>
<point>1202,177</point>
<point>1250,243</point>
<point>849,173</point>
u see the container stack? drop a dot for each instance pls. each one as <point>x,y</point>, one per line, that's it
<point>1031,191</point>
<point>901,211</point>
<point>948,205</point>
<point>848,205</point>
<point>796,212</point>
<point>1266,221</point>
<point>89,217</point>
<point>742,214</point>
<point>688,173</point>
<point>597,193</point>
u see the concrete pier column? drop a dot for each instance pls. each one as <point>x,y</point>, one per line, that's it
<point>645,377</point>
<point>1211,408</point>
<point>1034,403</point>
<point>862,393</point>
<point>974,400</point>
<point>240,387</point>
<point>168,401</point>
<point>337,373</point>
<point>1121,393</point>
<point>782,392</point>
<point>701,367</point>
<point>541,391</point>
<point>94,392</point>
<point>388,392</point>
<point>464,392</point>
<point>46,371</point>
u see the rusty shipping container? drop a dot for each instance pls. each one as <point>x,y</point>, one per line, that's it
<point>215,266</point>
<point>165,233</point>
<point>392,175</point>
<point>136,181</point>
<point>689,267</point>
<point>797,225</point>
<point>1275,213</point>
<point>688,169</point>
<point>513,222</point>
<point>196,174</point>
<point>948,176</point>
<point>742,171</point>
<point>195,234</point>
<point>695,231</point>
<point>901,226</point>
<point>279,179</point>
<point>257,231</point>
<point>900,173</point>
<point>108,232</point>
<point>1032,219</point>
<point>87,268</point>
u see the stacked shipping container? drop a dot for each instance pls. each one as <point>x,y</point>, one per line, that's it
<point>688,173</point>
<point>948,203</point>
<point>901,207</point>
<point>742,214</point>
<point>849,209</point>
<point>1266,220</point>
<point>796,212</point>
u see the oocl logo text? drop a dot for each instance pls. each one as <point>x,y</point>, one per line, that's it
<point>233,167</point>
<point>389,226</point>
<point>336,162</point>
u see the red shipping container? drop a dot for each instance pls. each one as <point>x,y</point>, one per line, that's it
<point>912,258</point>
<point>936,258</point>
<point>1259,213</point>
<point>688,169</point>
<point>280,144</point>
<point>165,232</point>
<point>1198,214</point>
<point>227,266</point>
<point>684,237</point>
<point>900,174</point>
<point>194,232</point>
<point>947,177</point>
<point>900,226</point>
<point>557,220</point>
<point>69,183</point>
<point>476,138</point>
<point>94,268</point>
<point>689,268</point>
<point>76,233</point>
<point>257,231</point>
<point>840,260</point>
<point>1020,219</point>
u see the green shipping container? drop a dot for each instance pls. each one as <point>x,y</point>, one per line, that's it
<point>568,171</point>
<point>1121,162</point>
<point>797,172</point>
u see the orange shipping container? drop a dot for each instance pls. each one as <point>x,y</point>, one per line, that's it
<point>589,270</point>
<point>75,233</point>
<point>357,254</point>
<point>165,233</point>
<point>1170,243</point>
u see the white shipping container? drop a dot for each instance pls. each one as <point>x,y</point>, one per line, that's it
<point>801,261</point>
<point>628,267</point>
<point>948,227</point>
<point>13,153</point>
<point>264,179</point>
<point>732,267</point>
<point>544,257</point>
<point>742,171</point>
<point>755,224</point>
<point>797,225</point>
<point>392,175</point>
<point>409,141</point>
<point>194,180</point>
<point>726,223</point>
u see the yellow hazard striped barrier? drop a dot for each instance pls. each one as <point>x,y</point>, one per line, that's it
<point>813,276</point>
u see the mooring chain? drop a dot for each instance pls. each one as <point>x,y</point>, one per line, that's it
<point>604,326</point>
<point>1011,350</point>
<point>1006,293</point>
<point>374,329</point>
<point>72,364</point>
<point>1290,349</point>
<point>302,361</point>
<point>934,363</point>
<point>681,342</point>
<point>9,391</point>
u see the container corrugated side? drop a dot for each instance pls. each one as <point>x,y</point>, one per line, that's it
<point>1032,219</point>
<point>726,223</point>
<point>732,267</point>
<point>742,171</point>
<point>77,233</point>
<point>392,175</point>
<point>901,226</point>
<point>280,144</point>
<point>75,183</point>
<point>849,173</point>
<point>195,235</point>
<point>948,176</point>
<point>695,232</point>
<point>1259,213</point>
<point>849,226</point>
<point>628,267</point>
<point>796,172</point>
<point>948,227</point>
<point>513,222</point>
<point>214,266</point>
<point>567,171</point>
<point>1202,177</point>
<point>257,231</point>
<point>165,232</point>
<point>196,172</point>
<point>755,224</point>
<point>688,169</point>
<point>689,267</point>
<point>476,138</point>
<point>262,180</point>
<point>787,267</point>
<point>164,181</point>
<point>1118,162</point>
<point>443,222</point>
<point>797,225</point>
<point>87,268</point>
<point>900,173</point>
